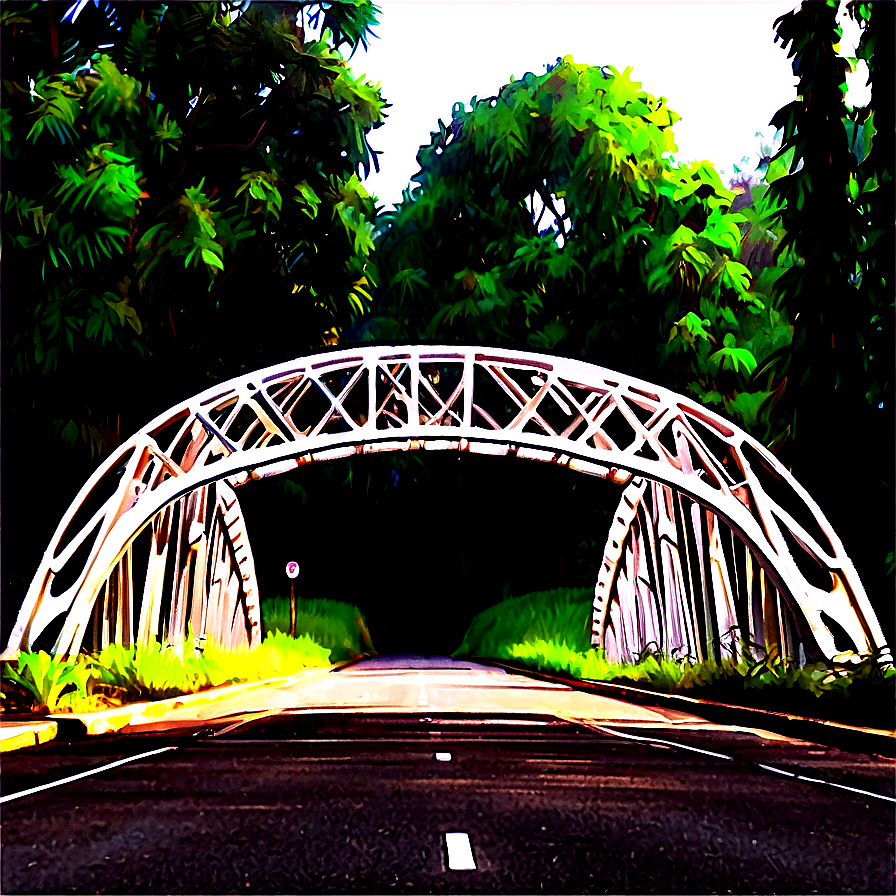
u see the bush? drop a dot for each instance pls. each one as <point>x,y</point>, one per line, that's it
<point>38,682</point>
<point>559,616</point>
<point>335,624</point>
<point>151,672</point>
<point>550,631</point>
<point>43,683</point>
<point>277,655</point>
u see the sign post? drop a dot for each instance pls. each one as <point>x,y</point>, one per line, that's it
<point>292,570</point>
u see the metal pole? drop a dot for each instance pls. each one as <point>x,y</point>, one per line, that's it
<point>292,608</point>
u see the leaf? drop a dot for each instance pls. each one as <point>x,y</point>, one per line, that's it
<point>692,328</point>
<point>211,259</point>
<point>733,357</point>
<point>749,407</point>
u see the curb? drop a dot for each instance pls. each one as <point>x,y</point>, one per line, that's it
<point>851,738</point>
<point>16,735</point>
<point>108,721</point>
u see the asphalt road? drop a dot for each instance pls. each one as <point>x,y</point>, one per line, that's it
<point>331,801</point>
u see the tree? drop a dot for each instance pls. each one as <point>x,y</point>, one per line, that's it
<point>841,162</point>
<point>836,205</point>
<point>553,215</point>
<point>181,202</point>
<point>181,198</point>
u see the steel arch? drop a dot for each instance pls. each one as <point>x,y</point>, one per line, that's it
<point>467,398</point>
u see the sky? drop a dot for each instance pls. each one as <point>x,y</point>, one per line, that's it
<point>715,62</point>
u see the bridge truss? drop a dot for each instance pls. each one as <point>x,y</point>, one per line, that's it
<point>713,542</point>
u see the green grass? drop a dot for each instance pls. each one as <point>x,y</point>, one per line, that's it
<point>276,656</point>
<point>328,631</point>
<point>550,631</point>
<point>337,625</point>
<point>38,682</point>
<point>562,615</point>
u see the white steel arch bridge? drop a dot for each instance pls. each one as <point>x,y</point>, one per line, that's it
<point>713,543</point>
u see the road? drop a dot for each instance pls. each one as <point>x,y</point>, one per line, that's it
<point>557,791</point>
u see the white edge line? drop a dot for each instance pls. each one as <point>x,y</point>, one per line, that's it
<point>768,768</point>
<point>87,774</point>
<point>777,771</point>
<point>656,740</point>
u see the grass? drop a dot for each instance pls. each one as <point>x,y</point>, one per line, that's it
<point>328,631</point>
<point>38,682</point>
<point>563,614</point>
<point>337,625</point>
<point>549,631</point>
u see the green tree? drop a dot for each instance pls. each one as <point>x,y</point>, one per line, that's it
<point>554,216</point>
<point>181,198</point>
<point>840,173</point>
<point>181,201</point>
<point>836,205</point>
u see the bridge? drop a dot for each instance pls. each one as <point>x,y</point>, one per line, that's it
<point>713,546</point>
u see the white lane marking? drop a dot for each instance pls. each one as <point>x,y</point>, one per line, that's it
<point>768,768</point>
<point>656,740</point>
<point>443,757</point>
<point>781,771</point>
<point>93,771</point>
<point>460,853</point>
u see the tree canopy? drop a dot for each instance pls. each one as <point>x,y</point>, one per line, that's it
<point>553,215</point>
<point>181,201</point>
<point>181,197</point>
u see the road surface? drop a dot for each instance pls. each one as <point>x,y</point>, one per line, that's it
<point>351,781</point>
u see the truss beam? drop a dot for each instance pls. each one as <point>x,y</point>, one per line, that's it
<point>476,399</point>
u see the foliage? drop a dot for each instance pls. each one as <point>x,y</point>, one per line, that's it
<point>531,618</point>
<point>277,655</point>
<point>117,674</point>
<point>545,632</point>
<point>336,625</point>
<point>162,163</point>
<point>835,205</point>
<point>591,665</point>
<point>43,683</point>
<point>153,672</point>
<point>726,676</point>
<point>554,216</point>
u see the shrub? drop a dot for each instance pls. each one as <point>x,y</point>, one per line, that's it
<point>334,624</point>
<point>39,682</point>
<point>277,655</point>
<point>562,615</point>
<point>43,683</point>
<point>154,672</point>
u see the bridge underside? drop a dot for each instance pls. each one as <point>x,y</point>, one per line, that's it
<point>713,544</point>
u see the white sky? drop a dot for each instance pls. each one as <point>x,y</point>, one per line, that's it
<point>715,62</point>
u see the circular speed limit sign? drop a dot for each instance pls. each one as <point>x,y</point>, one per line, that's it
<point>292,569</point>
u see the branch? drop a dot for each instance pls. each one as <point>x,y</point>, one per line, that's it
<point>541,213</point>
<point>549,203</point>
<point>235,145</point>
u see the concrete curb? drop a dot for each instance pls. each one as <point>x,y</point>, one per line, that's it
<point>16,735</point>
<point>835,734</point>
<point>19,733</point>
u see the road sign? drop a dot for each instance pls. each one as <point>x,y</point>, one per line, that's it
<point>292,569</point>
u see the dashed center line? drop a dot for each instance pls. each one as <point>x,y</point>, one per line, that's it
<point>460,852</point>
